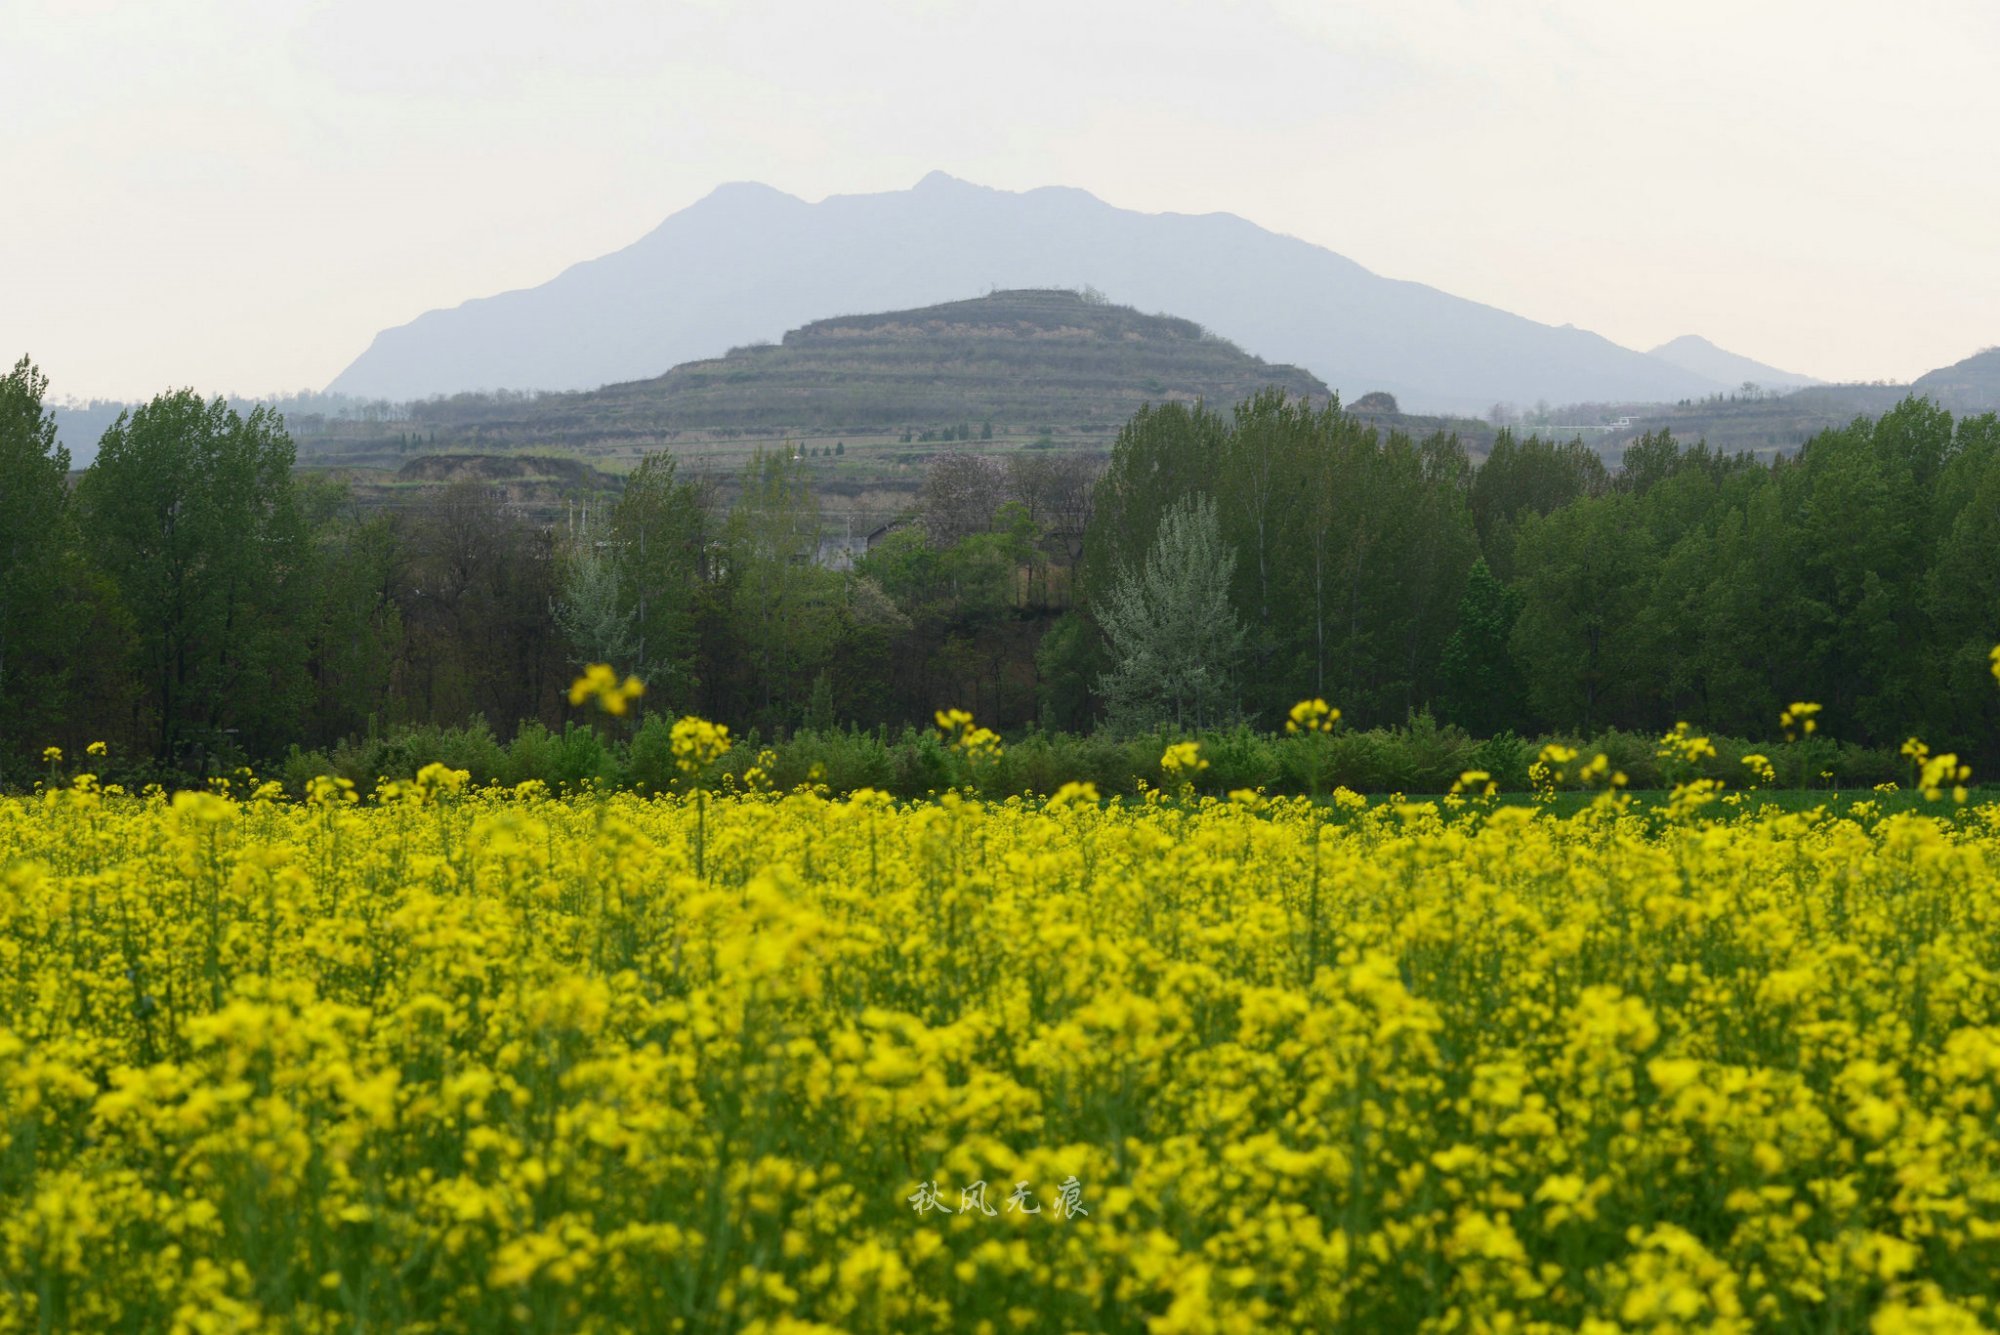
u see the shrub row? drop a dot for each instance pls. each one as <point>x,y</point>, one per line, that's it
<point>1418,757</point>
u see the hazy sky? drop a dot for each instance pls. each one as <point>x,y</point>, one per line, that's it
<point>237,194</point>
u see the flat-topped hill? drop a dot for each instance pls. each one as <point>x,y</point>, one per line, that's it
<point>1026,361</point>
<point>1029,356</point>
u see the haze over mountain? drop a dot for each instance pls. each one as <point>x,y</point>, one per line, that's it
<point>749,262</point>
<point>1692,352</point>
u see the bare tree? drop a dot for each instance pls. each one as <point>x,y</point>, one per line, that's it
<point>959,496</point>
<point>1057,491</point>
<point>478,598</point>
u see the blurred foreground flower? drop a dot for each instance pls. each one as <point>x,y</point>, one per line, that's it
<point>1182,760</point>
<point>599,682</point>
<point>1312,716</point>
<point>697,744</point>
<point>962,734</point>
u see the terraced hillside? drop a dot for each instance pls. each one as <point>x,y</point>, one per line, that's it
<point>1029,362</point>
<point>1038,357</point>
<point>868,399</point>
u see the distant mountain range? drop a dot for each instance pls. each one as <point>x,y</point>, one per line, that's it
<point>749,262</point>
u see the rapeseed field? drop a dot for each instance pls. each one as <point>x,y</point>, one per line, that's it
<point>449,1060</point>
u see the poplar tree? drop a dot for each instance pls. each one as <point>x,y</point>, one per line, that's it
<point>190,510</point>
<point>784,606</point>
<point>659,532</point>
<point>33,546</point>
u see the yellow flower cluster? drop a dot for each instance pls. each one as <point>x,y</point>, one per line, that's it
<point>1932,772</point>
<point>601,684</point>
<point>697,743</point>
<point>1182,760</point>
<point>1799,718</point>
<point>1312,716</point>
<point>1476,781</point>
<point>1682,746</point>
<point>964,735</point>
<point>481,1060</point>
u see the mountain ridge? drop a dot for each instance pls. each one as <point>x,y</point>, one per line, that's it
<point>748,261</point>
<point>1968,386</point>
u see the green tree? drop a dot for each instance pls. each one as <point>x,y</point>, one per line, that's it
<point>1162,455</point>
<point>1263,452</point>
<point>190,510</point>
<point>1373,567</point>
<point>783,607</point>
<point>1649,461</point>
<point>962,604</point>
<point>593,611</point>
<point>1749,672</point>
<point>660,534</point>
<point>1174,636</point>
<point>1069,659</point>
<point>1420,571</point>
<point>1962,590</point>
<point>1528,477</point>
<point>1480,685</point>
<point>34,545</point>
<point>1852,512</point>
<point>1584,572</point>
<point>356,636</point>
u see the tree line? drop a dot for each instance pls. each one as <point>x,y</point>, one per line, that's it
<point>1542,591</point>
<point>198,602</point>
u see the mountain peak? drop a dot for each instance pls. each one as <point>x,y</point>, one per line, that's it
<point>748,190</point>
<point>1692,352</point>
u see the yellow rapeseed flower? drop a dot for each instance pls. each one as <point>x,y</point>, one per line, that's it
<point>1802,716</point>
<point>600,683</point>
<point>804,1062</point>
<point>1182,760</point>
<point>1312,716</point>
<point>697,743</point>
